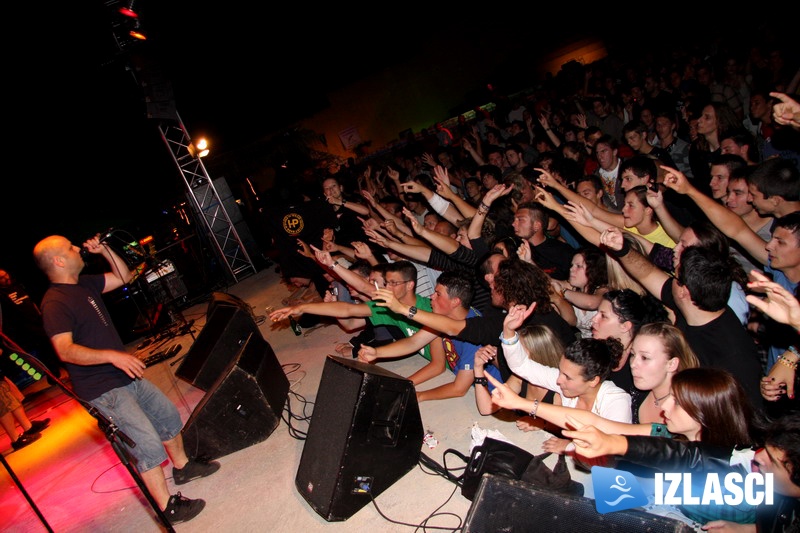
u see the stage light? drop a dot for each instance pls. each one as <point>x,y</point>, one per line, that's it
<point>199,148</point>
<point>136,32</point>
<point>128,10</point>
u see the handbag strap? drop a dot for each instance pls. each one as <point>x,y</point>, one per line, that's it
<point>457,479</point>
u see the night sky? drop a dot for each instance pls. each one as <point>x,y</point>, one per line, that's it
<point>85,158</point>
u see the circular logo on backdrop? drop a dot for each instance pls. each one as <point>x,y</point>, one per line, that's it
<point>293,224</point>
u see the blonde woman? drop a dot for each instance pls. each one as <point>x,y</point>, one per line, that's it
<point>544,348</point>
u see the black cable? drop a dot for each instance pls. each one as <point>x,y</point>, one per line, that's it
<point>424,523</point>
<point>287,416</point>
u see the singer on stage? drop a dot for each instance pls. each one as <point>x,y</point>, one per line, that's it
<point>109,378</point>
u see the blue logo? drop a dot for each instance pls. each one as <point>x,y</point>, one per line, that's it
<point>615,490</point>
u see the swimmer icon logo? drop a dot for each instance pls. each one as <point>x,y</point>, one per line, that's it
<point>615,490</point>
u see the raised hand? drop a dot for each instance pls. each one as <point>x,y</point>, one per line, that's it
<point>676,180</point>
<point>368,197</point>
<point>304,250</point>
<point>544,197</point>
<point>787,111</point>
<point>655,198</point>
<point>496,192</point>
<point>546,179</point>
<point>429,160</point>
<point>412,186</point>
<point>377,238</point>
<point>418,228</point>
<point>577,213</point>
<point>393,174</point>
<point>361,250</point>
<point>516,316</point>
<point>503,396</point>
<point>612,238</point>
<point>283,313</point>
<point>369,223</point>
<point>386,298</point>
<point>524,251</point>
<point>323,257</point>
<point>590,442</point>
<point>778,303</point>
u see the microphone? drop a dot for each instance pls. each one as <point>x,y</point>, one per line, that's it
<point>107,235</point>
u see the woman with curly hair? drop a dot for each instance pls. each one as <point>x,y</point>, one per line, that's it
<point>620,315</point>
<point>588,281</point>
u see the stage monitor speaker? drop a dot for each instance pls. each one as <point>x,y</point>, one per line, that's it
<point>365,434</point>
<point>223,298</point>
<point>243,407</point>
<point>226,330</point>
<point>503,504</point>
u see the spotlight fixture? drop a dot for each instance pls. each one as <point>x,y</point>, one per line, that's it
<point>136,32</point>
<point>128,10</point>
<point>199,148</point>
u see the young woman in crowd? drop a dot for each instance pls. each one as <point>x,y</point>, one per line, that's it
<point>588,281</point>
<point>704,405</point>
<point>581,377</point>
<point>544,348</point>
<point>619,316</point>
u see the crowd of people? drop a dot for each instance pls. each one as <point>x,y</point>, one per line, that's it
<point>616,265</point>
<point>614,257</point>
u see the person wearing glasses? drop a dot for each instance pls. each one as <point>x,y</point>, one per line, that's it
<point>401,280</point>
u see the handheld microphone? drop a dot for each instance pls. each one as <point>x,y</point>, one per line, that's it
<point>107,235</point>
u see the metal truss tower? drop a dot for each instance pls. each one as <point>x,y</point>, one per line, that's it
<point>206,201</point>
<point>158,96</point>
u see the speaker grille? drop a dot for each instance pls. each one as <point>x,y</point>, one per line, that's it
<point>225,333</point>
<point>366,424</point>
<point>242,408</point>
<point>503,504</point>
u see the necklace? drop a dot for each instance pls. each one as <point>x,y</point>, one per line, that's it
<point>657,401</point>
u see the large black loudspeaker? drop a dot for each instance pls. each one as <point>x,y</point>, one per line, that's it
<point>503,504</point>
<point>223,336</point>
<point>243,407</point>
<point>364,435</point>
<point>224,298</point>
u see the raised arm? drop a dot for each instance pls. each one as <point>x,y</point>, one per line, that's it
<point>479,216</point>
<point>348,276</point>
<point>560,415</point>
<point>548,180</point>
<point>120,272</point>
<point>417,252</point>
<point>655,199</point>
<point>640,267</point>
<point>723,218</point>
<point>433,321</point>
<point>464,208</point>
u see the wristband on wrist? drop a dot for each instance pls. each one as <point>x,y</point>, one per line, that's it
<point>785,362</point>
<point>535,408</point>
<point>481,381</point>
<point>626,247</point>
<point>508,342</point>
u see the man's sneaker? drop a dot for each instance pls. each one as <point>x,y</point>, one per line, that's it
<point>194,469</point>
<point>180,509</point>
<point>24,440</point>
<point>37,426</point>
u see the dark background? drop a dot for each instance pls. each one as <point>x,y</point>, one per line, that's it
<point>84,158</point>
